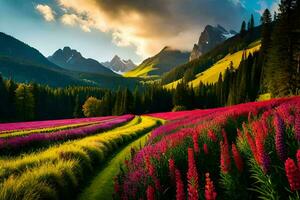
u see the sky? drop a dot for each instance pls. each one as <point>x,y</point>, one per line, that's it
<point>132,29</point>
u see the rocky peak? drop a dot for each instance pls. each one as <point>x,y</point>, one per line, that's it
<point>209,38</point>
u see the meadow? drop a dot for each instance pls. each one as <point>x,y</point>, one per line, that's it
<point>246,151</point>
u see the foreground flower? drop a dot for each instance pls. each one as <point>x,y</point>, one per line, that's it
<point>297,126</point>
<point>293,174</point>
<point>205,148</point>
<point>279,137</point>
<point>210,193</point>
<point>195,141</point>
<point>150,193</point>
<point>192,177</point>
<point>179,186</point>
<point>298,158</point>
<point>172,169</point>
<point>237,158</point>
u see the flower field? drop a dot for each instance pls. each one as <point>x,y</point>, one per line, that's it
<point>247,151</point>
<point>54,173</point>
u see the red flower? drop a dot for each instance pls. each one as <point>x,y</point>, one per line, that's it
<point>210,193</point>
<point>237,158</point>
<point>298,158</point>
<point>293,174</point>
<point>225,156</point>
<point>205,148</point>
<point>297,126</point>
<point>212,135</point>
<point>179,186</point>
<point>172,169</point>
<point>196,145</point>
<point>150,193</point>
<point>192,176</point>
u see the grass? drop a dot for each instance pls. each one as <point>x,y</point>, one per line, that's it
<point>102,185</point>
<point>211,75</point>
<point>141,71</point>
<point>59,170</point>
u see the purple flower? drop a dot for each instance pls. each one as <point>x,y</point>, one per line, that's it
<point>279,137</point>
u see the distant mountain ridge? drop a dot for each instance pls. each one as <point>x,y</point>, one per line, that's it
<point>119,65</point>
<point>164,61</point>
<point>210,38</point>
<point>71,59</point>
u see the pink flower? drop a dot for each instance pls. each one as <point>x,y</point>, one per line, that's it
<point>279,137</point>
<point>179,186</point>
<point>192,177</point>
<point>195,141</point>
<point>205,149</point>
<point>172,169</point>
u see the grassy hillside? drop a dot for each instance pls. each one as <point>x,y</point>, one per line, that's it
<point>159,64</point>
<point>211,75</point>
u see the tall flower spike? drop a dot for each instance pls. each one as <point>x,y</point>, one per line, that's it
<point>237,158</point>
<point>205,149</point>
<point>192,177</point>
<point>293,174</point>
<point>195,141</point>
<point>150,193</point>
<point>172,169</point>
<point>297,126</point>
<point>298,158</point>
<point>179,186</point>
<point>279,137</point>
<point>210,193</point>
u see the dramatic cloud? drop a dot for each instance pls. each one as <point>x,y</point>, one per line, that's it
<point>46,11</point>
<point>150,25</point>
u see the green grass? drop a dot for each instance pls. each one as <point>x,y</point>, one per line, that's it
<point>102,185</point>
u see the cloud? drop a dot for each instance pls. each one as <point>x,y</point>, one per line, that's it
<point>46,11</point>
<point>73,20</point>
<point>151,25</point>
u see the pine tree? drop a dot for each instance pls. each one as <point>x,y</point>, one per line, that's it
<point>243,29</point>
<point>252,23</point>
<point>76,112</point>
<point>24,103</point>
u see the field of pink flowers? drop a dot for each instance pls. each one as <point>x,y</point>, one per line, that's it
<point>20,142</point>
<point>247,151</point>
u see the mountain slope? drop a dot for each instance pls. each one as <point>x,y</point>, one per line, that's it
<point>23,63</point>
<point>206,60</point>
<point>159,64</point>
<point>119,65</point>
<point>211,75</point>
<point>71,59</point>
<point>209,38</point>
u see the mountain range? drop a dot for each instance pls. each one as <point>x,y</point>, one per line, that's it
<point>71,59</point>
<point>119,65</point>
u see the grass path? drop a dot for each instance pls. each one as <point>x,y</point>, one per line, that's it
<point>101,186</point>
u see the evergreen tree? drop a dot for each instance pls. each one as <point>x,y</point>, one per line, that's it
<point>252,23</point>
<point>243,29</point>
<point>24,103</point>
<point>76,112</point>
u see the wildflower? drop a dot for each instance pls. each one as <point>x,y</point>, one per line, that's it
<point>237,158</point>
<point>192,177</point>
<point>179,186</point>
<point>279,137</point>
<point>293,174</point>
<point>212,135</point>
<point>150,193</point>
<point>263,158</point>
<point>196,145</point>
<point>297,126</point>
<point>225,156</point>
<point>149,166</point>
<point>210,193</point>
<point>205,148</point>
<point>172,169</point>
<point>298,158</point>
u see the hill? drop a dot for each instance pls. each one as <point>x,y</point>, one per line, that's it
<point>159,64</point>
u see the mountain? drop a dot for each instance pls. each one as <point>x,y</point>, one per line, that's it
<point>119,65</point>
<point>23,63</point>
<point>159,64</point>
<point>73,60</point>
<point>210,38</point>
